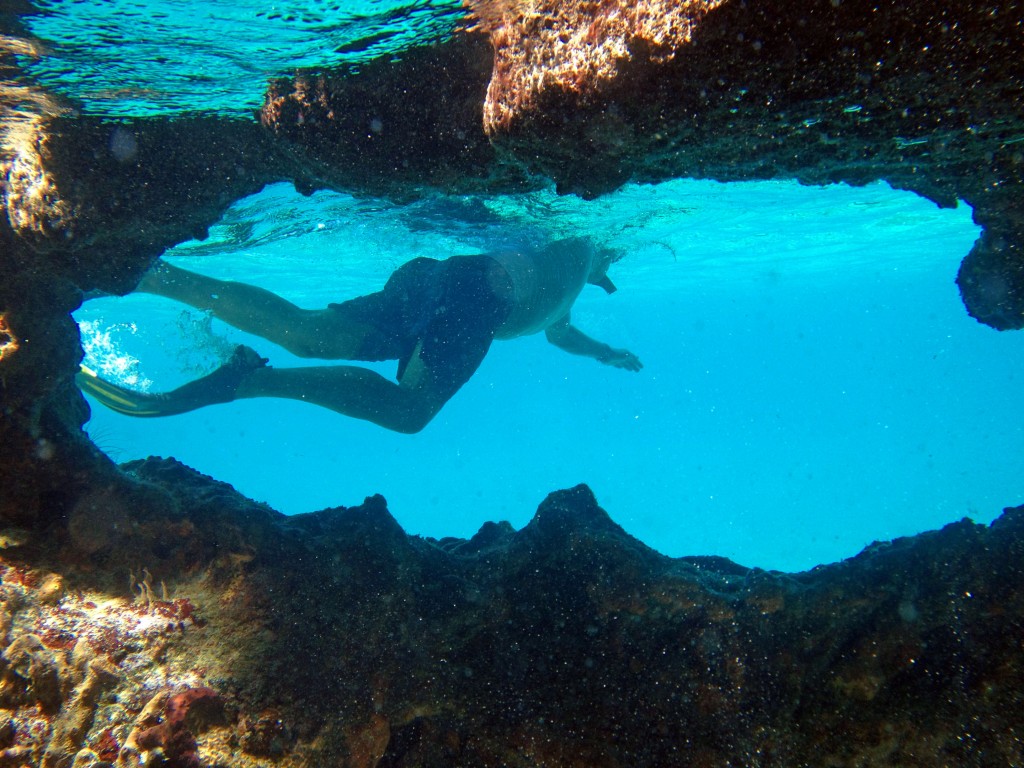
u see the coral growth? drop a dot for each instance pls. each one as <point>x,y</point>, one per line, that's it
<point>336,639</point>
<point>192,709</point>
<point>77,668</point>
<point>573,47</point>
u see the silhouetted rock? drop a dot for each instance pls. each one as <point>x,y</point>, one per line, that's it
<point>333,638</point>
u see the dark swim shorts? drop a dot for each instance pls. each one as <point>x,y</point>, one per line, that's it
<point>454,307</point>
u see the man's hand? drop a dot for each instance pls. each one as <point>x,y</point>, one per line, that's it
<point>566,336</point>
<point>621,358</point>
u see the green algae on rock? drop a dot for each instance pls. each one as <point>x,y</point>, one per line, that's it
<point>335,639</point>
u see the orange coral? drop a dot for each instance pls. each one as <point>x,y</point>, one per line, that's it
<point>8,341</point>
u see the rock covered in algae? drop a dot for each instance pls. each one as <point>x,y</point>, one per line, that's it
<point>925,97</point>
<point>336,639</point>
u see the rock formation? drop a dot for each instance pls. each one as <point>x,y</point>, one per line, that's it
<point>335,639</point>
<point>926,97</point>
<point>153,616</point>
<point>591,95</point>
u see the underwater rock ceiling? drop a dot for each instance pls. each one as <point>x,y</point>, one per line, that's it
<point>244,638</point>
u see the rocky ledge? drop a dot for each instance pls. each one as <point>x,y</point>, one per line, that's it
<point>173,622</point>
<point>154,617</point>
<point>924,96</point>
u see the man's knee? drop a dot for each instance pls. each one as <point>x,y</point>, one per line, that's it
<point>415,416</point>
<point>410,426</point>
<point>413,422</point>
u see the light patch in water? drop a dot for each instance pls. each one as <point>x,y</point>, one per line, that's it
<point>103,344</point>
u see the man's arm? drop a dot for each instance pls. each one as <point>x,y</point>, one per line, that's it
<point>568,337</point>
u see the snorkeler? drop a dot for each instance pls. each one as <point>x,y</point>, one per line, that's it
<point>437,318</point>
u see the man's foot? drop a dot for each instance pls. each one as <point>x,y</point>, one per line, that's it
<point>216,387</point>
<point>220,385</point>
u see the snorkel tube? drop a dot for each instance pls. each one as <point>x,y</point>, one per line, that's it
<point>606,283</point>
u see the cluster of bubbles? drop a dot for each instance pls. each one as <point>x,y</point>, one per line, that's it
<point>206,349</point>
<point>198,349</point>
<point>104,353</point>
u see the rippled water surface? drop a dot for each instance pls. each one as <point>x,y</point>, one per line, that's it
<point>160,57</point>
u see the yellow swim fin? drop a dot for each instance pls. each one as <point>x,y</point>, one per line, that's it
<point>216,387</point>
<point>120,399</point>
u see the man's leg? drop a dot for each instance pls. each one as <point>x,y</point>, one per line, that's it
<point>346,389</point>
<point>324,334</point>
<point>448,354</point>
<point>352,391</point>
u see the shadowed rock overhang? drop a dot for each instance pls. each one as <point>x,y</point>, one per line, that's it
<point>436,653</point>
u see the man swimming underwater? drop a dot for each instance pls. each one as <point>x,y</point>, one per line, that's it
<point>437,318</point>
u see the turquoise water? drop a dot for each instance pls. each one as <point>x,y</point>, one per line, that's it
<point>811,382</point>
<point>134,58</point>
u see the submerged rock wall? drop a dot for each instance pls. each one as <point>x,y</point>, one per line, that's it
<point>150,612</point>
<point>396,128</point>
<point>221,633</point>
<point>925,96</point>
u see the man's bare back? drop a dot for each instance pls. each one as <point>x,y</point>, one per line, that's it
<point>437,318</point>
<point>545,284</point>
